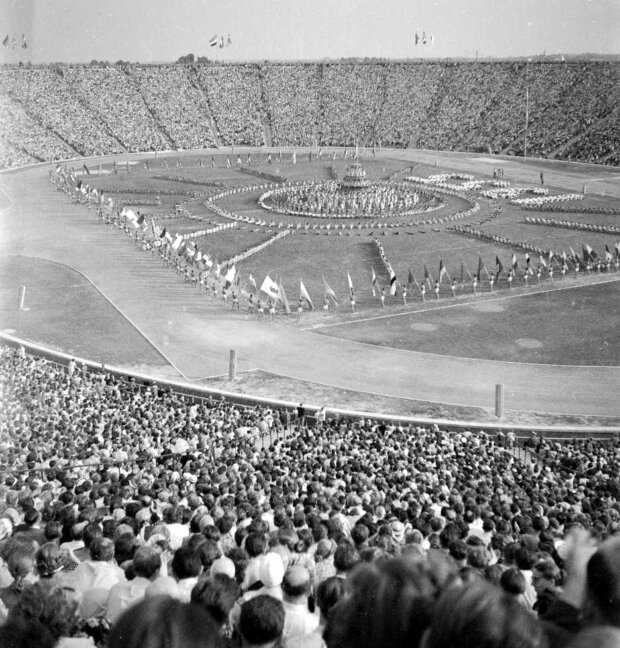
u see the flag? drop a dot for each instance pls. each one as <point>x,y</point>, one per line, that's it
<point>417,38</point>
<point>329,292</point>
<point>442,271</point>
<point>591,253</point>
<point>499,268</point>
<point>86,171</point>
<point>550,256</point>
<point>5,42</point>
<point>617,248</point>
<point>24,43</point>
<point>13,43</point>
<point>480,267</point>
<point>410,278</point>
<point>608,255</point>
<point>351,284</point>
<point>229,41</point>
<point>222,42</point>
<point>427,277</point>
<point>177,242</point>
<point>543,263</point>
<point>213,41</point>
<point>283,299</point>
<point>375,283</point>
<point>303,294</point>
<point>252,280</point>
<point>515,264</point>
<point>392,282</point>
<point>270,287</point>
<point>229,277</point>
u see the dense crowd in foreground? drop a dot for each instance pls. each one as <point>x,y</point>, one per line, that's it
<point>65,111</point>
<point>137,517</point>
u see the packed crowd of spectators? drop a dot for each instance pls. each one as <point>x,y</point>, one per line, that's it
<point>92,110</point>
<point>179,523</point>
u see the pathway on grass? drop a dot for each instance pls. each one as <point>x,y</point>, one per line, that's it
<point>195,334</point>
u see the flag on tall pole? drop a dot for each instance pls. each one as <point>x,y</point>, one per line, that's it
<point>329,292</point>
<point>270,287</point>
<point>499,268</point>
<point>229,277</point>
<point>428,278</point>
<point>303,294</point>
<point>351,284</point>
<point>282,298</point>
<point>442,271</point>
<point>392,282</point>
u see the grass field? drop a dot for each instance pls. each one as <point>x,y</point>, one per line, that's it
<point>65,312</point>
<point>554,328</point>
<point>547,327</point>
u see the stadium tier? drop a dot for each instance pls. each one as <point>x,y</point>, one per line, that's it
<point>61,111</point>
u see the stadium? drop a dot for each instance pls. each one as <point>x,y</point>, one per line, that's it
<point>276,335</point>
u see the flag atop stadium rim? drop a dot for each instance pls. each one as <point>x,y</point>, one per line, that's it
<point>270,287</point>
<point>213,41</point>
<point>303,294</point>
<point>5,42</point>
<point>329,292</point>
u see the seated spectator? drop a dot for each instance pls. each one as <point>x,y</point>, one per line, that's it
<point>299,622</point>
<point>481,615</point>
<point>261,622</point>
<point>164,622</point>
<point>93,579</point>
<point>146,565</point>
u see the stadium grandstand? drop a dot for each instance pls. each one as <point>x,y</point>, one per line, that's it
<point>54,112</point>
<point>191,459</point>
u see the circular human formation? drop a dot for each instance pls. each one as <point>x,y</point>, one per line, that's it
<point>355,196</point>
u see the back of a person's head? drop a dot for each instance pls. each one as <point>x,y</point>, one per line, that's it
<point>261,621</point>
<point>102,549</point>
<point>346,557</point>
<point>49,559</point>
<point>328,593</point>
<point>602,601</point>
<point>50,605</point>
<point>296,582</point>
<point>481,615</point>
<point>388,604</point>
<point>512,581</point>
<point>146,561</point>
<point>164,622</point>
<point>91,531</point>
<point>186,563</point>
<point>217,595</point>
<point>18,632</point>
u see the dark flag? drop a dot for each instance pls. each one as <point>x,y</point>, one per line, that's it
<point>499,268</point>
<point>86,171</point>
<point>480,266</point>
<point>5,42</point>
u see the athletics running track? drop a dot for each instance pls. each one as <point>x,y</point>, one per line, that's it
<point>195,335</point>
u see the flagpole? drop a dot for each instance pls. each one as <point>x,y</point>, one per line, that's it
<point>527,118</point>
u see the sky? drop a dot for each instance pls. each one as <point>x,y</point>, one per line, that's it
<point>163,30</point>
